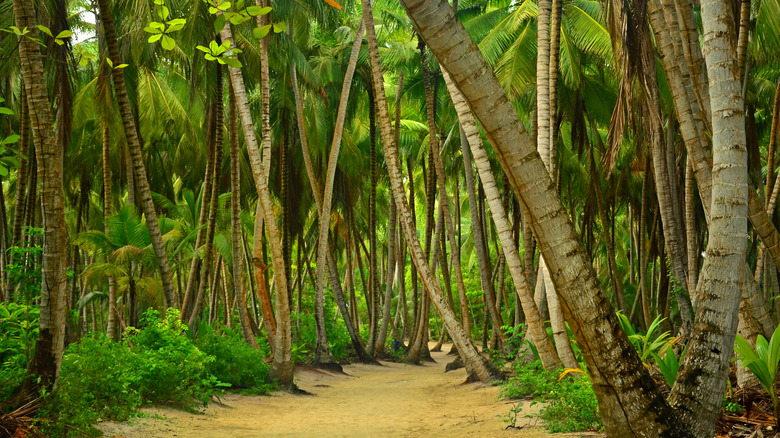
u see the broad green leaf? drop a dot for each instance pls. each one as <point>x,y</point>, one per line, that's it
<point>163,13</point>
<point>233,62</point>
<point>258,10</point>
<point>64,34</point>
<point>168,43</point>
<point>154,38</point>
<point>209,57</point>
<point>203,49</point>
<point>13,138</point>
<point>261,32</point>
<point>122,65</point>
<point>219,23</point>
<point>4,110</point>
<point>224,6</point>
<point>280,27</point>
<point>110,63</point>
<point>42,28</point>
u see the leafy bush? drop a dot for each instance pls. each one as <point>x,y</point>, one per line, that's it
<point>99,380</point>
<point>239,365</point>
<point>18,332</point>
<point>571,402</point>
<point>170,367</point>
<point>572,407</point>
<point>530,380</point>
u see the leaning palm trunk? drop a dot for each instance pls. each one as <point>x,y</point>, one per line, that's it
<point>323,249</point>
<point>630,402</point>
<point>282,365</point>
<point>474,362</point>
<point>134,147</point>
<point>381,339</point>
<point>322,351</point>
<point>53,301</point>
<point>533,319</point>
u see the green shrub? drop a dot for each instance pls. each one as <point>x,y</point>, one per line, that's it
<point>170,367</point>
<point>239,365</point>
<point>572,407</point>
<point>98,381</point>
<point>571,404</point>
<point>530,380</point>
<point>18,332</point>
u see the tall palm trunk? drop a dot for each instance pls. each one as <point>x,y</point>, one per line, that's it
<point>323,200</point>
<point>236,230</point>
<point>474,146</point>
<point>192,306</point>
<point>474,362</point>
<point>282,365</point>
<point>53,301</point>
<point>438,164</point>
<point>134,146</point>
<point>208,182</point>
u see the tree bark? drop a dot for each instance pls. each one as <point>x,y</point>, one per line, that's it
<point>47,358</point>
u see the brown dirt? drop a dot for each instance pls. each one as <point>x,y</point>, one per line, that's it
<point>392,400</point>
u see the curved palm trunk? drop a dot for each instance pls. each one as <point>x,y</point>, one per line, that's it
<point>282,365</point>
<point>323,200</point>
<point>236,232</point>
<point>134,147</point>
<point>474,362</point>
<point>53,302</point>
<point>444,200</point>
<point>381,339</point>
<point>630,402</point>
<point>533,319</point>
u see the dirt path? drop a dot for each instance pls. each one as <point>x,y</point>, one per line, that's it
<point>392,400</point>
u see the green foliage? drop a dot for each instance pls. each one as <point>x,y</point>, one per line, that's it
<point>762,362</point>
<point>106,380</point>
<point>650,343</point>
<point>238,364</point>
<point>99,381</point>
<point>530,380</point>
<point>571,403</point>
<point>18,332</point>
<point>669,365</point>
<point>171,368</point>
<point>572,407</point>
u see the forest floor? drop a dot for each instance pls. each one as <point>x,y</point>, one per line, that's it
<point>395,399</point>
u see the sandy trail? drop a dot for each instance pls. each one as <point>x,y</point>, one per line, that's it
<point>395,400</point>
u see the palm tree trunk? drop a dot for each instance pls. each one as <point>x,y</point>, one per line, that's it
<point>474,362</point>
<point>134,146</point>
<point>709,353</point>
<point>236,230</point>
<point>193,305</point>
<point>208,182</point>
<point>282,365</point>
<point>323,200</point>
<point>379,347</point>
<point>47,358</point>
<point>626,393</point>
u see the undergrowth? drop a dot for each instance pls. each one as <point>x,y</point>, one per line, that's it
<point>570,404</point>
<point>105,380</point>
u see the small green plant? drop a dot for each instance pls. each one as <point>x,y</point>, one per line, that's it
<point>514,412</point>
<point>530,380</point>
<point>18,332</point>
<point>669,365</point>
<point>572,407</point>
<point>762,362</point>
<point>651,342</point>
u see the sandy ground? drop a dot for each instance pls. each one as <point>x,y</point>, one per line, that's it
<point>395,400</point>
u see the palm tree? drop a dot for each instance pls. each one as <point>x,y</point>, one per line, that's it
<point>474,362</point>
<point>134,146</point>
<point>49,346</point>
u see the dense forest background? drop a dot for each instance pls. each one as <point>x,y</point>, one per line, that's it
<point>241,187</point>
